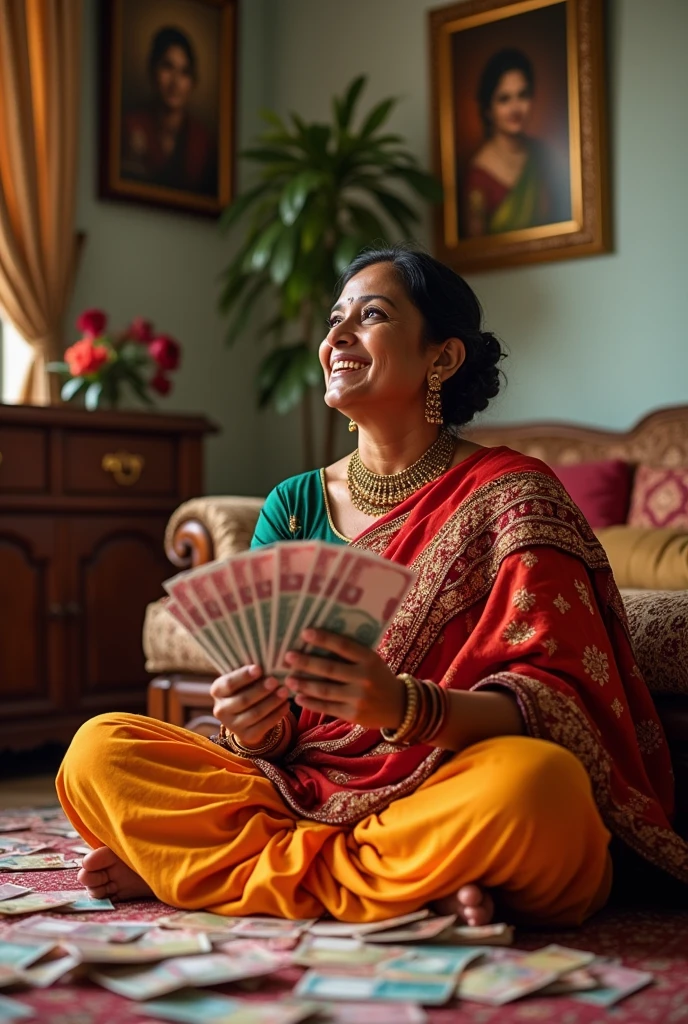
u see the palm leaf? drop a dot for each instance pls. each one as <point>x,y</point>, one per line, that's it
<point>376,117</point>
<point>345,108</point>
<point>294,196</point>
<point>241,319</point>
<point>283,256</point>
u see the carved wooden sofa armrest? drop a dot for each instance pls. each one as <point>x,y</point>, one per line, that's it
<point>204,529</point>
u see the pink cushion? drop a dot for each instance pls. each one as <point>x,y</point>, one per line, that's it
<point>660,497</point>
<point>600,489</point>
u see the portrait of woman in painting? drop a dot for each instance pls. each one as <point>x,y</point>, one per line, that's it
<point>163,142</point>
<point>510,182</point>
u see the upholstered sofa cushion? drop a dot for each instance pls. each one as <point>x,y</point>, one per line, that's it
<point>168,647</point>
<point>646,558</point>
<point>601,489</point>
<point>659,627</point>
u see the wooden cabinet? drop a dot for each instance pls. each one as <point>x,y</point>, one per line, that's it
<point>84,500</point>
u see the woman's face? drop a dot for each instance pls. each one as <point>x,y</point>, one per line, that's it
<point>511,103</point>
<point>372,355</point>
<point>173,78</point>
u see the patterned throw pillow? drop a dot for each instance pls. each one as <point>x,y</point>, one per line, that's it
<point>659,498</point>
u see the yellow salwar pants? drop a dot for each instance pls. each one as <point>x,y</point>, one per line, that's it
<point>206,829</point>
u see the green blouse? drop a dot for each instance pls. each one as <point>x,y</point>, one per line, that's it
<point>297,509</point>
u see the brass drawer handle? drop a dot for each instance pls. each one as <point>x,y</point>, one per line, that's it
<point>125,467</point>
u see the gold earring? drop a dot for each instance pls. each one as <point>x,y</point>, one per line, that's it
<point>353,427</point>
<point>433,402</point>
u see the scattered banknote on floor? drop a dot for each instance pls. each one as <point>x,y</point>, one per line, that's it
<point>190,1007</point>
<point>32,903</point>
<point>614,983</point>
<point>252,608</point>
<point>8,890</point>
<point>36,862</point>
<point>12,1009</point>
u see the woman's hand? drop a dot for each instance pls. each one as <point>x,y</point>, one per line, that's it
<point>248,704</point>
<point>361,689</point>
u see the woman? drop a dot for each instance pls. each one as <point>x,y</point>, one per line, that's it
<point>512,643</point>
<point>163,144</point>
<point>509,182</point>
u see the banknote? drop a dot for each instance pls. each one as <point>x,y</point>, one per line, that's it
<point>191,1007</point>
<point>8,824</point>
<point>559,959</point>
<point>440,962</point>
<point>319,581</point>
<point>374,1013</point>
<point>8,976</point>
<point>331,951</point>
<point>366,599</point>
<point>261,575</point>
<point>317,984</point>
<point>184,608</point>
<point>78,848</point>
<point>35,862</point>
<point>270,927</point>
<point>23,954</point>
<point>90,952</point>
<point>344,929</point>
<point>239,575</point>
<point>8,890</point>
<point>81,901</point>
<point>294,565</point>
<point>223,583</point>
<point>575,981</point>
<point>59,830</point>
<point>12,1010</point>
<point>415,931</point>
<point>498,934</point>
<point>209,602</point>
<point>60,928</point>
<point>198,920</point>
<point>15,847</point>
<point>46,973</point>
<point>179,972</point>
<point>32,903</point>
<point>500,982</point>
<point>614,984</point>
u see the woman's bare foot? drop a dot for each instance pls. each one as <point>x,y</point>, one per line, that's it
<point>104,874</point>
<point>473,904</point>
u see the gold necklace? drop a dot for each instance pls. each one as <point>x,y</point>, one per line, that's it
<point>376,493</point>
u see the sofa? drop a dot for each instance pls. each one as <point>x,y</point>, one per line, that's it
<point>650,563</point>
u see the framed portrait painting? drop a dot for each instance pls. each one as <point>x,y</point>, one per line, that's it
<point>167,104</point>
<point>519,131</point>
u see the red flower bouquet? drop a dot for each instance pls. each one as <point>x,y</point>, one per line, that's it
<point>102,363</point>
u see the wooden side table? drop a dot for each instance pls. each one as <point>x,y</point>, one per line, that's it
<point>84,501</point>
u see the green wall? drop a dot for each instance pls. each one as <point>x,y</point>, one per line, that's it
<point>598,340</point>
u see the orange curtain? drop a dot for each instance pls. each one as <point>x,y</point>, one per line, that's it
<point>40,58</point>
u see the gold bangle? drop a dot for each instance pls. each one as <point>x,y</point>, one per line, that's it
<point>271,742</point>
<point>409,719</point>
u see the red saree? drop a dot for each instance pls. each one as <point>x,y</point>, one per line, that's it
<point>515,592</point>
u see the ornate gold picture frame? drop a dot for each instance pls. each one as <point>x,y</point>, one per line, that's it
<point>167,133</point>
<point>518,114</point>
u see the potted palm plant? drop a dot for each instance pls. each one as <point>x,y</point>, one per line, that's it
<point>323,193</point>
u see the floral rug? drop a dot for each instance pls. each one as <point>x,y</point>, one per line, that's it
<point>647,940</point>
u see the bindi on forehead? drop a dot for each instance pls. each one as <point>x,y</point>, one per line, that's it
<point>364,298</point>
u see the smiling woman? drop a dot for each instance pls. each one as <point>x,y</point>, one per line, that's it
<point>488,745</point>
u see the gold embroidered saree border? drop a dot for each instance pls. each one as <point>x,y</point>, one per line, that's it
<point>553,716</point>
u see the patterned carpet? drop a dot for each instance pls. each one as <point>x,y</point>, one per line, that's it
<point>648,940</point>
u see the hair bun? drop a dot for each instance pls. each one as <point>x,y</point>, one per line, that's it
<point>477,381</point>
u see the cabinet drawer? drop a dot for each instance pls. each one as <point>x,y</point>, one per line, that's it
<point>119,464</point>
<point>23,462</point>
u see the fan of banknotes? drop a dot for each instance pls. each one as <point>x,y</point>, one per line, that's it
<point>252,608</point>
